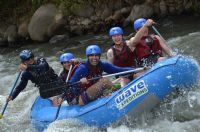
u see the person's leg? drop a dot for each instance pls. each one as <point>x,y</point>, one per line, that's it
<point>117,84</point>
<point>122,80</point>
<point>95,91</point>
<point>56,100</point>
<point>139,74</point>
<point>161,59</point>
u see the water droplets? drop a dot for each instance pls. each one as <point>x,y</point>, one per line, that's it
<point>169,77</point>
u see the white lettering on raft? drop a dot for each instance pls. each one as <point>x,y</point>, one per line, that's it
<point>133,92</point>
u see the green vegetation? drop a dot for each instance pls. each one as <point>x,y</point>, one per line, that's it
<point>16,8</point>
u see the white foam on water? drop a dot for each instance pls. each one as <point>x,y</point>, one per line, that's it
<point>69,125</point>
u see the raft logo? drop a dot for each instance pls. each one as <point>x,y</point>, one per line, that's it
<point>132,93</point>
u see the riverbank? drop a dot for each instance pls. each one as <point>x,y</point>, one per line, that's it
<point>54,22</point>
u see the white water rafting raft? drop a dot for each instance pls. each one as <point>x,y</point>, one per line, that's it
<point>139,95</point>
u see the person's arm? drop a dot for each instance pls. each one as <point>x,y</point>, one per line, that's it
<point>164,47</point>
<point>110,56</point>
<point>109,68</point>
<point>80,72</point>
<point>21,86</point>
<point>76,61</point>
<point>77,76</point>
<point>132,43</point>
<point>41,65</point>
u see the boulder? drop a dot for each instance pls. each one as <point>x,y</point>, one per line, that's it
<point>106,13</point>
<point>163,8</point>
<point>82,10</point>
<point>58,26</point>
<point>120,14</point>
<point>11,35</point>
<point>76,29</point>
<point>41,21</point>
<point>59,39</point>
<point>86,22</point>
<point>187,4</point>
<point>156,8</point>
<point>140,11</point>
<point>23,30</point>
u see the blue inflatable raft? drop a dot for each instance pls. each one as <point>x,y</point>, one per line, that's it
<point>138,96</point>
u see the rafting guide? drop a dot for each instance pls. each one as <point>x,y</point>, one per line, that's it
<point>39,72</point>
<point>133,92</point>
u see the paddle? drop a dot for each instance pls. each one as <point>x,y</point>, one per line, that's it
<point>95,78</point>
<point>14,85</point>
<point>64,94</point>
<point>114,74</point>
<point>158,33</point>
<point>170,52</point>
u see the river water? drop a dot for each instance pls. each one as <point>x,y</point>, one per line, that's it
<point>180,114</point>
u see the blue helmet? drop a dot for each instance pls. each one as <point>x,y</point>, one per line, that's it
<point>139,23</point>
<point>25,55</point>
<point>66,57</point>
<point>93,49</point>
<point>115,31</point>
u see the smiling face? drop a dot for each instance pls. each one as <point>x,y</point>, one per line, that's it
<point>66,65</point>
<point>94,59</point>
<point>117,39</point>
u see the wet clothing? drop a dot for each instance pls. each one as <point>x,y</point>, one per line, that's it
<point>124,57</point>
<point>88,71</point>
<point>94,71</point>
<point>148,51</point>
<point>63,75</point>
<point>39,73</point>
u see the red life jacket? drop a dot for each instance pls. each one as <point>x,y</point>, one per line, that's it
<point>123,58</point>
<point>148,45</point>
<point>74,69</point>
<point>93,71</point>
<point>64,73</point>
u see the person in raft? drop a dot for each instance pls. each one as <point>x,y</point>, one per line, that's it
<point>89,90</point>
<point>38,71</point>
<point>69,65</point>
<point>121,53</point>
<point>150,48</point>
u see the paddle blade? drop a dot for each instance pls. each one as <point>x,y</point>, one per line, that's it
<point>1,116</point>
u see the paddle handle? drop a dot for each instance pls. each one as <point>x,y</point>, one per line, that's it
<point>64,94</point>
<point>125,72</point>
<point>14,85</point>
<point>158,33</point>
<point>114,74</point>
<point>168,49</point>
<point>67,79</point>
<point>58,110</point>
